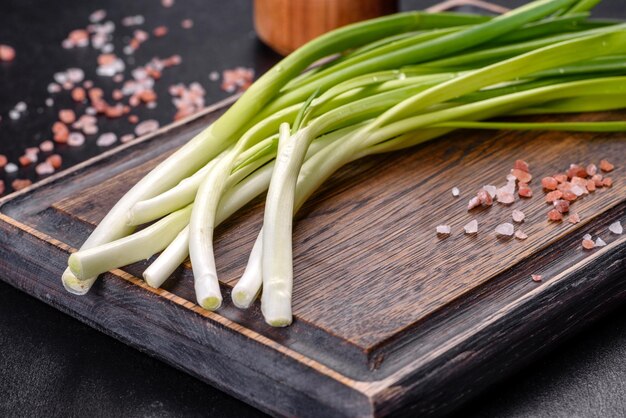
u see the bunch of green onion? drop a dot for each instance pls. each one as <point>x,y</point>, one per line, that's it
<point>391,83</point>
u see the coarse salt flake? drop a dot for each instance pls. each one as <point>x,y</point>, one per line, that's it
<point>455,191</point>
<point>519,234</point>
<point>616,228</point>
<point>600,242</point>
<point>588,244</point>
<point>443,229</point>
<point>505,229</point>
<point>471,227</point>
<point>518,215</point>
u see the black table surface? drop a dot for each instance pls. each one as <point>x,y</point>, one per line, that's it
<point>53,365</point>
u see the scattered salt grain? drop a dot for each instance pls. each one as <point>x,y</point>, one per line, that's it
<point>518,215</point>
<point>555,215</point>
<point>214,76</point>
<point>133,20</point>
<point>97,16</point>
<point>455,191</point>
<point>606,166</point>
<point>505,229</point>
<point>49,102</point>
<point>536,277</point>
<point>505,197</point>
<point>587,236</point>
<point>126,138</point>
<point>44,168</point>
<point>10,168</point>
<point>106,139</point>
<point>549,183</point>
<point>561,205</point>
<point>600,242</point>
<point>46,146</point>
<point>588,244</point>
<point>573,218</point>
<point>492,190</point>
<point>473,203</point>
<point>443,229</point>
<point>21,107</point>
<point>19,184</point>
<point>471,227</point>
<point>519,234</point>
<point>187,24</point>
<point>616,228</point>
<point>75,139</point>
<point>577,190</point>
<point>14,114</point>
<point>146,127</point>
<point>167,3</point>
<point>53,88</point>
<point>7,53</point>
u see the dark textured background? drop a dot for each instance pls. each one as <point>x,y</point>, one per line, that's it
<point>52,365</point>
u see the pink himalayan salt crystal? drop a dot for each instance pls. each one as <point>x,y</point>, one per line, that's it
<point>484,198</point>
<point>536,277</point>
<point>455,191</point>
<point>46,146</point>
<point>75,139</point>
<point>587,236</point>
<point>473,203</point>
<point>492,190</point>
<point>591,170</point>
<point>607,182</point>
<point>146,127</point>
<point>524,190</point>
<point>518,215</point>
<point>555,215</point>
<point>443,229</point>
<point>616,228</point>
<point>549,183</point>
<point>505,197</point>
<point>523,176</point>
<point>126,138</point>
<point>519,234</point>
<point>573,218</point>
<point>600,242</point>
<point>591,185</point>
<point>606,166</point>
<point>561,178</point>
<point>471,227</point>
<point>576,170</point>
<point>44,168</point>
<point>107,139</point>
<point>561,205</point>
<point>505,229</point>
<point>578,191</point>
<point>588,244</point>
<point>521,165</point>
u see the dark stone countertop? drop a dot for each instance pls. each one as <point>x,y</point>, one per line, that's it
<point>53,365</point>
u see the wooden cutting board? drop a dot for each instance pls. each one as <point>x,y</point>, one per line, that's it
<point>388,317</point>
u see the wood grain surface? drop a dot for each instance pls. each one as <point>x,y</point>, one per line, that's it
<point>388,316</point>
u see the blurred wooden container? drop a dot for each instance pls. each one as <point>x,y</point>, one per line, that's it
<point>284,25</point>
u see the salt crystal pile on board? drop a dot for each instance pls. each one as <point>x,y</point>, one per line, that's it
<point>616,228</point>
<point>506,229</point>
<point>443,229</point>
<point>471,227</point>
